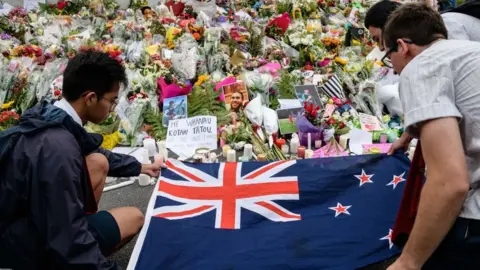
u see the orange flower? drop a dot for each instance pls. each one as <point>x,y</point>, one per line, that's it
<point>197,36</point>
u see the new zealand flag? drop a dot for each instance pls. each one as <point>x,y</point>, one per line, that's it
<point>331,213</point>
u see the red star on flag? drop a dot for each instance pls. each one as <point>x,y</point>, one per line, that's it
<point>364,178</point>
<point>397,179</point>
<point>389,238</point>
<point>340,209</point>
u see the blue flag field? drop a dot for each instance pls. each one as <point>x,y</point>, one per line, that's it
<point>330,213</point>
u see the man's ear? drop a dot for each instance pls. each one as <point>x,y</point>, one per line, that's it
<point>90,98</point>
<point>402,47</point>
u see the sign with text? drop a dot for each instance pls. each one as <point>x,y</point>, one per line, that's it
<point>184,136</point>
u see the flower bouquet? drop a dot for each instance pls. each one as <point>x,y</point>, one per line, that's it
<point>306,125</point>
<point>171,89</point>
<point>278,26</point>
<point>8,119</point>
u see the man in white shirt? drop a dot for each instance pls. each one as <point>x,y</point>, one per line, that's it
<point>439,89</point>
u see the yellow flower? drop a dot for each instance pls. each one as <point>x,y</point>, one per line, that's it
<point>7,106</point>
<point>341,60</point>
<point>201,79</point>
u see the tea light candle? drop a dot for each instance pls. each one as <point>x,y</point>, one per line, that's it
<point>143,180</point>
<point>149,144</point>
<point>301,151</point>
<point>308,153</point>
<point>248,151</point>
<point>294,143</point>
<point>285,149</point>
<point>262,157</point>
<point>318,144</point>
<point>309,140</point>
<point>243,159</point>
<point>280,142</point>
<point>231,156</point>
<point>225,149</point>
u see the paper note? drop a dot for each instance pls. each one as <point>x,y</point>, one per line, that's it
<point>289,103</point>
<point>329,109</point>
<point>358,138</point>
<point>369,122</point>
<point>375,55</point>
<point>184,136</point>
<point>380,147</point>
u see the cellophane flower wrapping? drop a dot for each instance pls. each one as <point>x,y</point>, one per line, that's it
<point>270,121</point>
<point>135,51</point>
<point>134,113</point>
<point>304,127</point>
<point>184,58</point>
<point>7,79</point>
<point>51,71</point>
<point>207,7</point>
<point>171,90</point>
<point>253,111</point>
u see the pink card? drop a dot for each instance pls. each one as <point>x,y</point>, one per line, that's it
<point>329,109</point>
<point>382,147</point>
<point>322,152</point>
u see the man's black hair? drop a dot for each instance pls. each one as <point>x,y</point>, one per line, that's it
<point>92,71</point>
<point>378,14</point>
<point>416,22</point>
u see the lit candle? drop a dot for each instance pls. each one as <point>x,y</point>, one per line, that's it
<point>143,180</point>
<point>309,140</point>
<point>149,144</point>
<point>301,151</point>
<point>280,142</point>
<point>248,151</point>
<point>285,149</point>
<point>294,143</point>
<point>318,144</point>
<point>231,156</point>
<point>225,149</point>
<point>308,153</point>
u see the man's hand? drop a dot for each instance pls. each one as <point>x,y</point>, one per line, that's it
<point>402,143</point>
<point>402,264</point>
<point>152,169</point>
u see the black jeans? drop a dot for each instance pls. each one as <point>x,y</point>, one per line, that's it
<point>460,249</point>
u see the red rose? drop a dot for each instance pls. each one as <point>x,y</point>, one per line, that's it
<point>314,114</point>
<point>57,93</point>
<point>331,121</point>
<point>61,5</point>
<point>51,5</point>
<point>341,125</point>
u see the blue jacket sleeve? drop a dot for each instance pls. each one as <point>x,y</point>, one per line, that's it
<point>57,206</point>
<point>121,165</point>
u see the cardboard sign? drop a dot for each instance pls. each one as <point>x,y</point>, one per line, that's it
<point>184,136</point>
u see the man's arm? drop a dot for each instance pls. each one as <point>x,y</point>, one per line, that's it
<point>57,207</point>
<point>121,165</point>
<point>444,192</point>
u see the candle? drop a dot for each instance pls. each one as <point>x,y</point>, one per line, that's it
<point>309,140</point>
<point>145,156</point>
<point>225,149</point>
<point>343,141</point>
<point>318,144</point>
<point>262,157</point>
<point>383,138</point>
<point>143,180</point>
<point>294,143</point>
<point>243,159</point>
<point>231,156</point>
<point>301,151</point>
<point>149,144</point>
<point>308,153</point>
<point>158,158</point>
<point>248,151</point>
<point>162,149</point>
<point>280,142</point>
<point>285,149</point>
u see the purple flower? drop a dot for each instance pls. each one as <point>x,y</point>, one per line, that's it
<point>5,36</point>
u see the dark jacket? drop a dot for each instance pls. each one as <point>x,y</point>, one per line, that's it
<point>45,192</point>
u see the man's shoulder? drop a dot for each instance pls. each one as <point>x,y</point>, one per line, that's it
<point>53,139</point>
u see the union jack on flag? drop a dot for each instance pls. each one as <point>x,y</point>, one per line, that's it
<point>330,213</point>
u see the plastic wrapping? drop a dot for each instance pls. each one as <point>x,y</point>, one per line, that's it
<point>304,127</point>
<point>253,111</point>
<point>270,121</point>
<point>184,58</point>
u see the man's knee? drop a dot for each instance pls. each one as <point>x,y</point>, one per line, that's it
<point>129,219</point>
<point>97,164</point>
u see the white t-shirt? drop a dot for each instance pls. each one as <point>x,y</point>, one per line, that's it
<point>461,26</point>
<point>444,81</point>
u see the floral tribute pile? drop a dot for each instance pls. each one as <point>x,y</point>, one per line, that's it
<point>277,49</point>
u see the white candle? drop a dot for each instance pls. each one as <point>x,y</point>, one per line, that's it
<point>343,141</point>
<point>231,156</point>
<point>309,140</point>
<point>162,149</point>
<point>158,158</point>
<point>318,144</point>
<point>145,156</point>
<point>308,153</point>
<point>294,143</point>
<point>143,180</point>
<point>285,149</point>
<point>248,151</point>
<point>225,149</point>
<point>149,144</point>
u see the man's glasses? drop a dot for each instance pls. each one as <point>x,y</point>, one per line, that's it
<point>386,61</point>
<point>113,103</point>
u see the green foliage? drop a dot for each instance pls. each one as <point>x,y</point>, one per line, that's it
<point>159,132</point>
<point>286,85</point>
<point>157,28</point>
<point>203,100</point>
<point>284,6</point>
<point>255,42</point>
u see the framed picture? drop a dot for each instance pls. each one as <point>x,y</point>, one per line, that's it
<point>236,95</point>
<point>287,120</point>
<point>308,93</point>
<point>174,108</point>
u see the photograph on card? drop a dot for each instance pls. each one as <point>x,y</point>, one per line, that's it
<point>287,120</point>
<point>308,93</point>
<point>236,96</point>
<point>174,108</point>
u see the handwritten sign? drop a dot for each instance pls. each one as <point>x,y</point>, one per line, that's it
<point>329,109</point>
<point>369,122</point>
<point>186,135</point>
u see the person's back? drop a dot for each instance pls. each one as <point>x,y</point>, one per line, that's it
<point>461,26</point>
<point>458,61</point>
